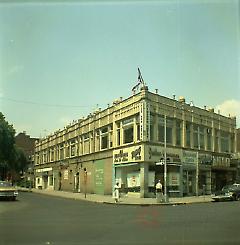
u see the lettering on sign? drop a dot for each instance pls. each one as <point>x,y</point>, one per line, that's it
<point>136,154</point>
<point>206,159</point>
<point>171,157</point>
<point>189,157</point>
<point>154,152</point>
<point>121,156</point>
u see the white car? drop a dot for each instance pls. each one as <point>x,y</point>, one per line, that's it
<point>7,191</point>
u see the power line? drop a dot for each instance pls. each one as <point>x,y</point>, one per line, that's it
<point>44,104</point>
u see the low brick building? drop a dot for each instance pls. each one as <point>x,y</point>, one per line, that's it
<point>128,142</point>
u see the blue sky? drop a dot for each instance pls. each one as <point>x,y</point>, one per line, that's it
<point>61,60</point>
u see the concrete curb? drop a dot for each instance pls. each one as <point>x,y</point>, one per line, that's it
<point>23,189</point>
<point>157,204</point>
<point>61,195</point>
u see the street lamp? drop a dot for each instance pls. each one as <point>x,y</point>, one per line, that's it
<point>85,182</point>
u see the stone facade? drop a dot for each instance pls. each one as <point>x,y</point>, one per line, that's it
<point>130,141</point>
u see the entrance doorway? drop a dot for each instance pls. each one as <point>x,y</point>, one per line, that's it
<point>77,182</point>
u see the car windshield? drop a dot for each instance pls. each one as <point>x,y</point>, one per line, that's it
<point>5,184</point>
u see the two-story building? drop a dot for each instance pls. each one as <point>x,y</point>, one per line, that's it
<point>130,141</point>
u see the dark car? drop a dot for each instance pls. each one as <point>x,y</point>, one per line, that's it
<point>228,192</point>
<point>7,191</point>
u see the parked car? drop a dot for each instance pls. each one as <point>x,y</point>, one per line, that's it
<point>228,192</point>
<point>7,191</point>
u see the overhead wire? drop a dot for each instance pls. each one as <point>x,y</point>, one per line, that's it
<point>45,104</point>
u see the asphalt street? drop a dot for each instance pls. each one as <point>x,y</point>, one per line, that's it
<point>41,219</point>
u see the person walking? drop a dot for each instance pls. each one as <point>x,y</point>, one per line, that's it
<point>159,191</point>
<point>116,192</point>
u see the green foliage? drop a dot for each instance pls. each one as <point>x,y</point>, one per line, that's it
<point>7,140</point>
<point>12,158</point>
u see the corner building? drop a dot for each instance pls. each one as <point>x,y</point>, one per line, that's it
<point>126,143</point>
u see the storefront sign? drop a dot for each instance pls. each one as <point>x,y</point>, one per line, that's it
<point>130,154</point>
<point>121,157</point>
<point>136,154</point>
<point>43,170</point>
<point>219,161</point>
<point>189,157</point>
<point>205,159</point>
<point>157,154</point>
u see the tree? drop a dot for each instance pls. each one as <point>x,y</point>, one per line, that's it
<point>12,158</point>
<point>7,140</point>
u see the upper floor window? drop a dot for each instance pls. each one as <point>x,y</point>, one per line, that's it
<point>224,142</point>
<point>128,134</point>
<point>209,139</point>
<point>128,131</point>
<point>104,138</point>
<point>188,134</point>
<point>161,129</point>
<point>178,133</point>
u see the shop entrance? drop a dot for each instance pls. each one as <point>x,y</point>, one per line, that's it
<point>77,182</point>
<point>188,182</point>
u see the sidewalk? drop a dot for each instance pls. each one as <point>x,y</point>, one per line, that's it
<point>124,200</point>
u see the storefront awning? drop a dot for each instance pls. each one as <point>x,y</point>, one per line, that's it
<point>219,168</point>
<point>125,164</point>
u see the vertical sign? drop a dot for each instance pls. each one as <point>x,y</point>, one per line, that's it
<point>99,177</point>
<point>145,121</point>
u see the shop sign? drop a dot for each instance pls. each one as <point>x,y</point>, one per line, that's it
<point>156,155</point>
<point>221,161</point>
<point>130,154</point>
<point>174,179</point>
<point>205,159</point>
<point>120,157</point>
<point>189,157</point>
<point>43,170</point>
<point>136,154</point>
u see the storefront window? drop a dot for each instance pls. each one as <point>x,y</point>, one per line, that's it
<point>51,180</point>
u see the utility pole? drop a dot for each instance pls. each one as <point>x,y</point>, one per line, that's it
<point>85,182</point>
<point>165,158</point>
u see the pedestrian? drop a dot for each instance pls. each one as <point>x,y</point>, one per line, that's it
<point>159,191</point>
<point>116,192</point>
